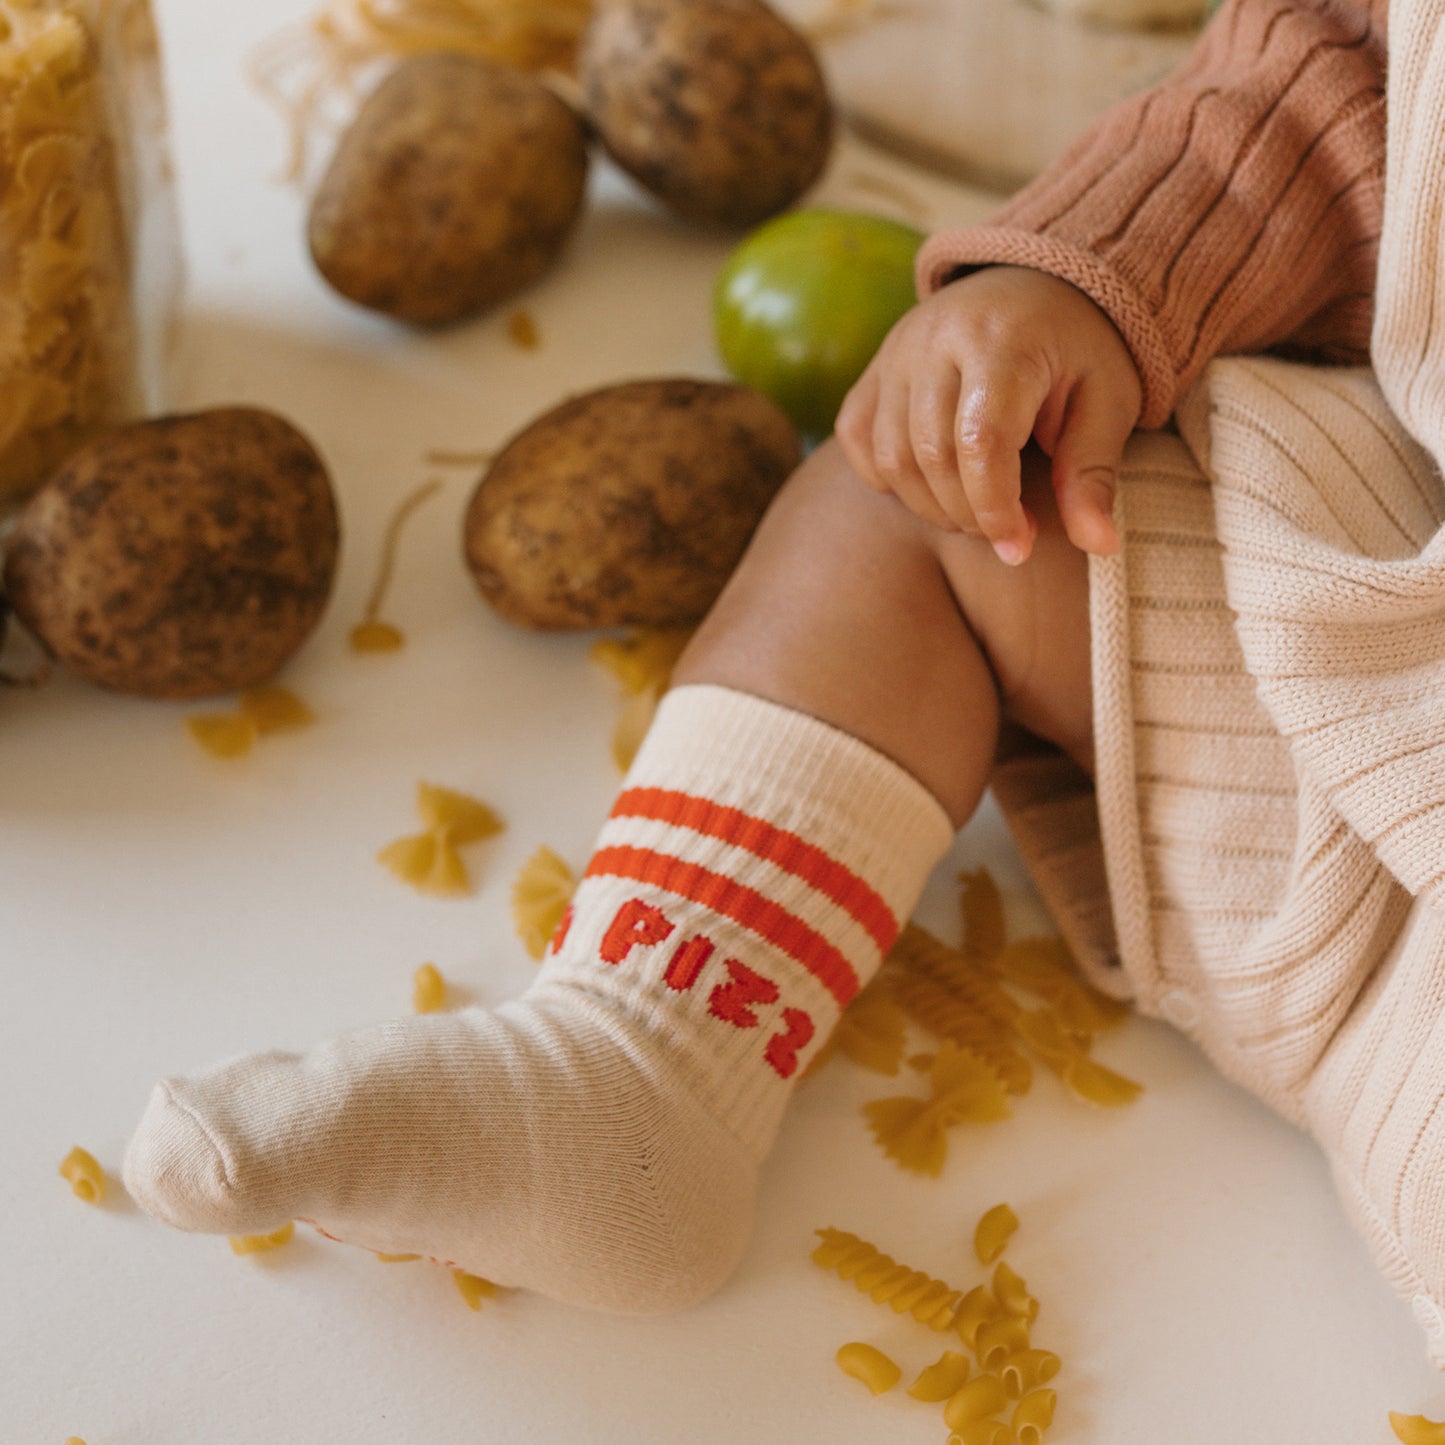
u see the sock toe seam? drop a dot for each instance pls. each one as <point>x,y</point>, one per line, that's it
<point>205,1132</point>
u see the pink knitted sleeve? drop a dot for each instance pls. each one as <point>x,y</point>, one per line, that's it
<point>1236,207</point>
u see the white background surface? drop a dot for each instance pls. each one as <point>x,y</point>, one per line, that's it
<point>159,910</point>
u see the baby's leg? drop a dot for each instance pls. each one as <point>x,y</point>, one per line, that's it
<point>598,1139</point>
<point>919,642</point>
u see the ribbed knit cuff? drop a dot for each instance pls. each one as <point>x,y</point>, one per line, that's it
<point>805,776</point>
<point>750,880</point>
<point>945,254</point>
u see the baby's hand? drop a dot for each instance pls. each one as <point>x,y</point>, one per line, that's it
<point>964,380</point>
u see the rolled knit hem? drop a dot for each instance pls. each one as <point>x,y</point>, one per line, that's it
<point>1116,768</point>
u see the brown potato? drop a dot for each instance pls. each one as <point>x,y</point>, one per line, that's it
<point>627,506</point>
<point>718,107</point>
<point>179,557</point>
<point>457,185</point>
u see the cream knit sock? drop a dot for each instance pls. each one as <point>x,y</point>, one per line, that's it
<point>598,1139</point>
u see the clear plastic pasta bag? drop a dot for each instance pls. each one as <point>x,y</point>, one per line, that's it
<point>89,242</point>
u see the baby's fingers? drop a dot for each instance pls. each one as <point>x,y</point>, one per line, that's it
<point>1086,467</point>
<point>932,407</point>
<point>895,458</point>
<point>994,422</point>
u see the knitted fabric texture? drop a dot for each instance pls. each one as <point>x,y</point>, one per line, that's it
<point>1268,841</point>
<point>1233,208</point>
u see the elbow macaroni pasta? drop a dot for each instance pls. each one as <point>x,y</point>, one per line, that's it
<point>1012,1294</point>
<point>429,990</point>
<point>983,1432</point>
<point>1027,1369</point>
<point>86,1177</point>
<point>874,1368</point>
<point>975,1400</point>
<point>1000,1339</point>
<point>260,1243</point>
<point>1032,1416</point>
<point>473,1288</point>
<point>975,1309</point>
<point>992,1233</point>
<point>942,1379</point>
<point>1093,1082</point>
<point>1417,1429</point>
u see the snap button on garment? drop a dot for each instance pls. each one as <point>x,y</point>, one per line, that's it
<point>1180,1008</point>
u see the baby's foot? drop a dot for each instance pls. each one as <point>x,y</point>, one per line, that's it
<point>598,1140</point>
<point>547,1145</point>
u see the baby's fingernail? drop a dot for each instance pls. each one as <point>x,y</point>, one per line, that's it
<point>1010,552</point>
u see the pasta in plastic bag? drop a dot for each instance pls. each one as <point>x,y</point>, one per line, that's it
<point>89,248</point>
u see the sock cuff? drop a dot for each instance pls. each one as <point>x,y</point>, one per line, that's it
<point>805,777</point>
<point>749,881</point>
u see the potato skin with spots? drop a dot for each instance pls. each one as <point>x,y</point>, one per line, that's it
<point>718,107</point>
<point>179,557</point>
<point>630,505</point>
<point>457,185</point>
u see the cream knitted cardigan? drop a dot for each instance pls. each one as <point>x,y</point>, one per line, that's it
<point>1260,857</point>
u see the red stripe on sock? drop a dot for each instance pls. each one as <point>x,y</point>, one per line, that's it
<point>742,904</point>
<point>785,850</point>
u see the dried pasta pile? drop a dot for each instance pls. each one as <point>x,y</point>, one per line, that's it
<point>996,1007</point>
<point>1001,1373</point>
<point>66,333</point>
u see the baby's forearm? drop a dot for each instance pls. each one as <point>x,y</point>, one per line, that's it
<point>1235,207</point>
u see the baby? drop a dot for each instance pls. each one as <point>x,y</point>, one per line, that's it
<point>1214,659</point>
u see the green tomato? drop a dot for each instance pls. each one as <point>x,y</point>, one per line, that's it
<point>803,303</point>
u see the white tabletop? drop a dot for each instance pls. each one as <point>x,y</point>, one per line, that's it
<point>160,910</point>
